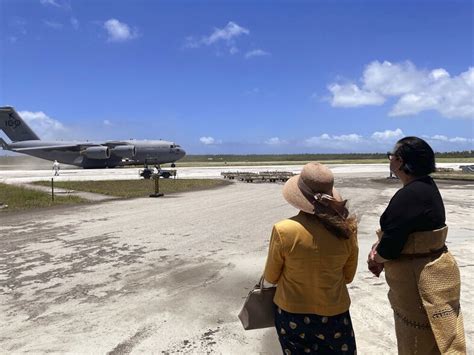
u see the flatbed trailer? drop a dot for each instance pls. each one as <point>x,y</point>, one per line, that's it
<point>147,173</point>
<point>264,176</point>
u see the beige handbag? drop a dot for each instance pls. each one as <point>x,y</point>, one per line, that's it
<point>257,311</point>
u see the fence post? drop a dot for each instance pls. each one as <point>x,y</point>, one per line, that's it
<point>52,189</point>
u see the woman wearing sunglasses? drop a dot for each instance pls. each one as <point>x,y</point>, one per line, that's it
<point>422,274</point>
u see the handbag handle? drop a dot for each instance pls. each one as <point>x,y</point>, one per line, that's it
<point>261,284</point>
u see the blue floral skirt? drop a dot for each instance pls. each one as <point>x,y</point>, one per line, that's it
<point>314,334</point>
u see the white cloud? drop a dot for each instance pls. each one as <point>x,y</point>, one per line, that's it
<point>440,73</point>
<point>107,123</point>
<point>119,31</point>
<point>443,138</point>
<point>209,141</point>
<point>461,140</point>
<point>230,31</point>
<point>45,126</point>
<point>452,97</point>
<point>53,25</point>
<point>275,141</point>
<point>380,141</point>
<point>352,138</point>
<point>63,4</point>
<point>344,141</point>
<point>392,79</point>
<point>412,104</point>
<point>322,140</point>
<point>256,53</point>
<point>226,35</point>
<point>442,143</point>
<point>349,95</point>
<point>440,137</point>
<point>50,2</point>
<point>388,136</point>
<point>417,90</point>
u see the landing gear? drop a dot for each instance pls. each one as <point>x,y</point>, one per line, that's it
<point>146,173</point>
<point>156,172</point>
<point>173,165</point>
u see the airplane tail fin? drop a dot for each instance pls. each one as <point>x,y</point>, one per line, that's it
<point>3,144</point>
<point>14,127</point>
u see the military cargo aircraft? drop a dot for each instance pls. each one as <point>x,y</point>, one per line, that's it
<point>108,154</point>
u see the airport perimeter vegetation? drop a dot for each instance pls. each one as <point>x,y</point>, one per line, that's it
<point>21,198</point>
<point>312,157</point>
<point>300,159</point>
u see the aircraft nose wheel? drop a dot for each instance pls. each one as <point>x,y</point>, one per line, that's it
<point>173,165</point>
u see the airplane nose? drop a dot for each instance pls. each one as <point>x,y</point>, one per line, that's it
<point>182,153</point>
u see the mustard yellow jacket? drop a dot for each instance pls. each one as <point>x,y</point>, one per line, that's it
<point>311,266</point>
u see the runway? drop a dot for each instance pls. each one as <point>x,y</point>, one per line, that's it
<point>170,275</point>
<point>13,175</point>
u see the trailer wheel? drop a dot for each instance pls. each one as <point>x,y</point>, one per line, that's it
<point>146,174</point>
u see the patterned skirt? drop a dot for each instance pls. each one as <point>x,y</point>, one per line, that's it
<point>314,334</point>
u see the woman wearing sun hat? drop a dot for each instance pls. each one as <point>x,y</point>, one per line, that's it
<point>311,258</point>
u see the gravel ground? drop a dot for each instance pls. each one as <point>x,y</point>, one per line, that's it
<point>169,275</point>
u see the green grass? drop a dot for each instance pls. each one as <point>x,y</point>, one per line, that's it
<point>137,188</point>
<point>19,198</point>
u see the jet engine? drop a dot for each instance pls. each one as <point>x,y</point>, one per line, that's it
<point>97,152</point>
<point>124,151</point>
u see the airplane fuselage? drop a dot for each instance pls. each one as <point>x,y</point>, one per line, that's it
<point>115,153</point>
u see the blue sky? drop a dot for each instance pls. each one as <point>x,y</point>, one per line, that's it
<point>242,76</point>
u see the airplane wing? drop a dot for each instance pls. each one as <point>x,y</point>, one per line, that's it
<point>73,147</point>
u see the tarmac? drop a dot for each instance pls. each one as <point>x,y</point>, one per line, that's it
<point>170,275</point>
<point>18,174</point>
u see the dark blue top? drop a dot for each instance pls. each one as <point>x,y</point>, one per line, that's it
<point>416,207</point>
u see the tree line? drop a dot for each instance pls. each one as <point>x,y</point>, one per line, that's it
<point>308,157</point>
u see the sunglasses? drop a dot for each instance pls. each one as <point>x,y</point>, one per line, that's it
<point>390,155</point>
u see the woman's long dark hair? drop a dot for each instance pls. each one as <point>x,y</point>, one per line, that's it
<point>336,222</point>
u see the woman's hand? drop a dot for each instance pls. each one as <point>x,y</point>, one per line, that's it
<point>374,266</point>
<point>267,284</point>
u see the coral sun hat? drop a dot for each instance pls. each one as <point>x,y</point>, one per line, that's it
<point>315,178</point>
